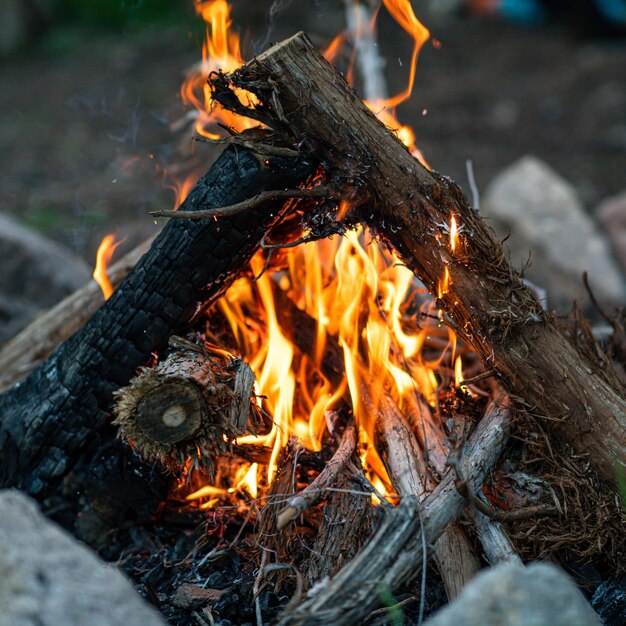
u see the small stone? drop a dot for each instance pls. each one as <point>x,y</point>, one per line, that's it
<point>513,595</point>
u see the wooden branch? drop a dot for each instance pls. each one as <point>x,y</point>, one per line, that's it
<point>26,351</point>
<point>455,558</point>
<point>192,405</point>
<point>240,207</point>
<point>345,525</point>
<point>394,554</point>
<point>51,419</point>
<point>315,491</point>
<point>497,547</point>
<point>303,98</point>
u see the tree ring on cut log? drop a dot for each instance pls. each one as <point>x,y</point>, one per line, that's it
<point>188,406</point>
<point>171,412</point>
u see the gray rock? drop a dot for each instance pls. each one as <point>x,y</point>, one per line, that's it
<point>47,578</point>
<point>545,218</point>
<point>513,595</point>
<point>611,213</point>
<point>36,274</point>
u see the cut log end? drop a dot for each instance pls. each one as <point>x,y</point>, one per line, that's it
<point>191,405</point>
<point>171,412</point>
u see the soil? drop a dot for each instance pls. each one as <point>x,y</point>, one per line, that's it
<point>88,145</point>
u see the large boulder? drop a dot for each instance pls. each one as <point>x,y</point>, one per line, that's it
<point>546,221</point>
<point>513,595</point>
<point>47,578</point>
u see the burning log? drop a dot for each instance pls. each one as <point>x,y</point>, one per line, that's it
<point>441,238</point>
<point>398,550</point>
<point>403,457</point>
<point>190,406</point>
<point>61,410</point>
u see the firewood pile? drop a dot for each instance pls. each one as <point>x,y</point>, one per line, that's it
<point>455,420</point>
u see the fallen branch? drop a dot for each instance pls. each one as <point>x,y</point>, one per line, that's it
<point>393,555</point>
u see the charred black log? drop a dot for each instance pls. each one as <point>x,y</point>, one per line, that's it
<point>61,411</point>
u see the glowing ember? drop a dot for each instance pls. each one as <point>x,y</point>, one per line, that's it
<point>103,260</point>
<point>458,375</point>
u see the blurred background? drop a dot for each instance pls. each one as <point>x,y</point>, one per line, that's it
<point>94,135</point>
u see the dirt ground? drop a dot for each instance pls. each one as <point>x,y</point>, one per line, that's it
<point>88,148</point>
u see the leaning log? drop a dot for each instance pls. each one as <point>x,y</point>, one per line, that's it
<point>56,415</point>
<point>302,97</point>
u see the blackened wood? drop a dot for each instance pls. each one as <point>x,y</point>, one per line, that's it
<point>51,418</point>
<point>301,96</point>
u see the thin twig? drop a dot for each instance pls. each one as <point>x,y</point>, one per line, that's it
<point>313,493</point>
<point>260,147</point>
<point>478,378</point>
<point>250,203</point>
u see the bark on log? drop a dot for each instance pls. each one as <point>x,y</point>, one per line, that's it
<point>345,526</point>
<point>20,356</point>
<point>191,405</point>
<point>394,554</point>
<point>302,97</point>
<point>49,420</point>
<point>315,491</point>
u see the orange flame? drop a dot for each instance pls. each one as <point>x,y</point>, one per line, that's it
<point>454,234</point>
<point>220,52</point>
<point>103,259</point>
<point>359,296</point>
<point>358,300</point>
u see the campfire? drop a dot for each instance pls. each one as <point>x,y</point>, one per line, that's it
<point>322,365</point>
